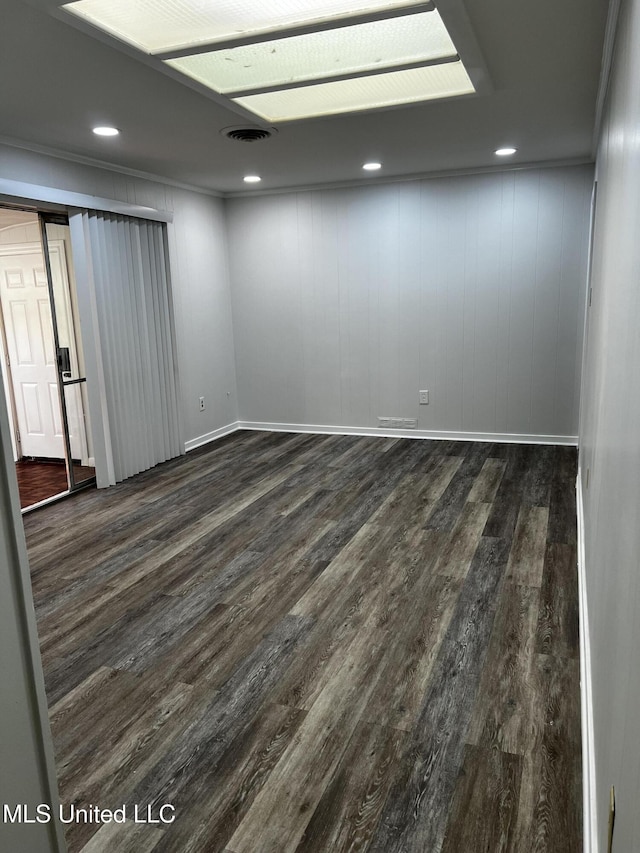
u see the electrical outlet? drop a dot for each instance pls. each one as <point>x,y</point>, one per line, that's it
<point>424,398</point>
<point>201,401</point>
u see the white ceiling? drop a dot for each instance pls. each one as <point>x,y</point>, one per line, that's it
<point>542,57</point>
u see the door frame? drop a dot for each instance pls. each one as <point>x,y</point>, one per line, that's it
<point>56,246</point>
<point>46,246</point>
<point>62,219</point>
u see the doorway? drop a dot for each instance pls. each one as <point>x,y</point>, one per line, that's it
<point>43,364</point>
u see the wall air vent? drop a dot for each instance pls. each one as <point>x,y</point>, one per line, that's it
<point>247,134</point>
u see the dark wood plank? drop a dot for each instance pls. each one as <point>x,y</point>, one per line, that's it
<point>460,546</point>
<point>448,508</point>
<point>488,481</point>
<point>281,811</point>
<point>340,602</point>
<point>505,703</point>
<point>124,838</point>
<point>398,697</point>
<point>206,737</point>
<point>550,808</point>
<point>415,815</point>
<point>506,504</point>
<point>562,516</point>
<point>348,813</point>
<point>485,804</point>
<point>537,479</point>
<point>526,559</point>
<point>210,811</point>
<point>558,621</point>
<point>128,745</point>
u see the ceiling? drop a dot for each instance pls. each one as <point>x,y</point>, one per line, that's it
<point>542,60</point>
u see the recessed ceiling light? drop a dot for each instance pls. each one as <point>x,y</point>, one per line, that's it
<point>372,167</point>
<point>252,179</point>
<point>505,152</point>
<point>106,131</point>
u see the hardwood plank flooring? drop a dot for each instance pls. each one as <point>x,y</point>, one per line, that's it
<point>485,805</point>
<point>38,480</point>
<point>311,643</point>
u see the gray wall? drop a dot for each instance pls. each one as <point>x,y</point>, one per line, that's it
<point>610,446</point>
<point>347,302</point>
<point>26,755</point>
<point>200,275</point>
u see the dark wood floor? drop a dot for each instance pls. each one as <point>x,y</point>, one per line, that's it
<point>39,480</point>
<point>309,643</point>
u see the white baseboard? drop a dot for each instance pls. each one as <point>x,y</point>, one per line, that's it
<point>589,798</point>
<point>323,429</point>
<point>210,436</point>
<point>510,438</point>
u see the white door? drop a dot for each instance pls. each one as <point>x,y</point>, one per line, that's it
<point>29,331</point>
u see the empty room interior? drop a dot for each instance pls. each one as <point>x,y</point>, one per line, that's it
<point>319,411</point>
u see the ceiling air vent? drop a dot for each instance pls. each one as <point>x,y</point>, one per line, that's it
<point>247,134</point>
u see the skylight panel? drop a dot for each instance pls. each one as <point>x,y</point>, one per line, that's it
<point>293,59</point>
<point>361,93</point>
<point>328,53</point>
<point>157,26</point>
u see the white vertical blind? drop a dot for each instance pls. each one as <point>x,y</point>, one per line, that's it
<point>133,311</point>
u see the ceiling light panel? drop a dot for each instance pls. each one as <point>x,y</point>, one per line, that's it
<point>328,53</point>
<point>106,131</point>
<point>361,93</point>
<point>163,25</point>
